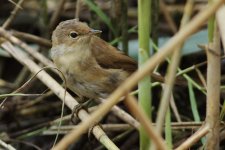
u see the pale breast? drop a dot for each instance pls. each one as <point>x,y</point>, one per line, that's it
<point>78,67</point>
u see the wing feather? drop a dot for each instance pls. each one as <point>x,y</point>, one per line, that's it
<point>108,56</point>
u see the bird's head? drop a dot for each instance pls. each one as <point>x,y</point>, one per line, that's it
<point>71,32</point>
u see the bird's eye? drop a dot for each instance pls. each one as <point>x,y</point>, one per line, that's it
<point>73,34</point>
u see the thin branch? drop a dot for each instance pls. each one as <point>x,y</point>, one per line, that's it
<point>171,75</point>
<point>6,146</point>
<point>77,11</point>
<point>106,127</point>
<point>123,115</point>
<point>201,77</point>
<point>194,138</point>
<point>15,11</point>
<point>124,24</point>
<point>27,48</point>
<point>167,16</point>
<point>132,104</point>
<point>56,14</point>
<point>174,109</point>
<point>32,38</point>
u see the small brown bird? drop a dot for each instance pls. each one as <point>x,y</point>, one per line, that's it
<point>92,67</point>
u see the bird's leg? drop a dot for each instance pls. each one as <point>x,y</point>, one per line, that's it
<point>74,116</point>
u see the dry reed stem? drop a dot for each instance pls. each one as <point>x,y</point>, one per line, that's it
<point>167,16</point>
<point>106,127</point>
<point>201,77</point>
<point>32,38</point>
<point>179,8</point>
<point>167,90</point>
<point>171,75</point>
<point>57,89</point>
<point>7,84</point>
<point>8,22</point>
<point>132,104</point>
<point>21,77</point>
<point>36,100</point>
<point>213,92</point>
<point>174,109</point>
<point>123,115</point>
<point>126,86</point>
<point>124,127</point>
<point>175,8</point>
<point>174,125</point>
<point>27,48</point>
<point>220,15</point>
<point>194,138</point>
<point>77,11</point>
<point>6,146</point>
<point>56,14</point>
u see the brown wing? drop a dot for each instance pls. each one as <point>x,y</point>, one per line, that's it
<point>108,56</point>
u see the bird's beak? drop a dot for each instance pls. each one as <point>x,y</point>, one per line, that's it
<point>95,32</point>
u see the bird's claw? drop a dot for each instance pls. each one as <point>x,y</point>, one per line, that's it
<point>74,116</point>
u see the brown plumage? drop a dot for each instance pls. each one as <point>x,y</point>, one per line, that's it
<point>108,56</point>
<point>92,67</point>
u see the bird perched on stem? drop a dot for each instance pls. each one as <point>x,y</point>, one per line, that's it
<point>92,67</point>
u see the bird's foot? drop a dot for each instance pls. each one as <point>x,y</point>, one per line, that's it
<point>74,116</point>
